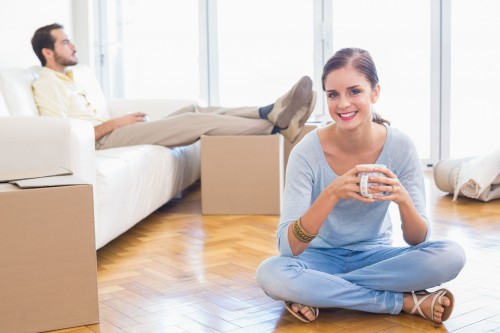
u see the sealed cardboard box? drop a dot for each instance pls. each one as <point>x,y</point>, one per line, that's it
<point>241,174</point>
<point>48,276</point>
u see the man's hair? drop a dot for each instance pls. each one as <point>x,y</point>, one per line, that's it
<point>42,39</point>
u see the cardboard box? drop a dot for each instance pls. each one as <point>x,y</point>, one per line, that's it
<point>48,276</point>
<point>241,174</point>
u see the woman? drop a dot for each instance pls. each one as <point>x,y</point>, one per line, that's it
<point>335,245</point>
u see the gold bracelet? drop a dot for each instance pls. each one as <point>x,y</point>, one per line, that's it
<point>299,232</point>
<point>300,236</point>
<point>299,224</point>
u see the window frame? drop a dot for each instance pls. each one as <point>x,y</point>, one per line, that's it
<point>322,48</point>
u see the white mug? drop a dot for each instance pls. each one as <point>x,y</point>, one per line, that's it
<point>364,184</point>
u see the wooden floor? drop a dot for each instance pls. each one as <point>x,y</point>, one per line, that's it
<point>180,271</point>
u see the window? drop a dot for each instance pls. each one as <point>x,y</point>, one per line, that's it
<point>158,48</point>
<point>397,35</point>
<point>475,73</point>
<point>240,52</point>
<point>264,48</point>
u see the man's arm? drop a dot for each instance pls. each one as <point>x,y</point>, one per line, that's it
<point>110,125</point>
<point>54,98</point>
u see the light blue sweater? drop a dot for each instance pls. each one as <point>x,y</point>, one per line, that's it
<point>352,224</point>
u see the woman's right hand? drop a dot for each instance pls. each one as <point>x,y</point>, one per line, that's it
<point>346,186</point>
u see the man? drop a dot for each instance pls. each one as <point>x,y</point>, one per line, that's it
<point>57,94</point>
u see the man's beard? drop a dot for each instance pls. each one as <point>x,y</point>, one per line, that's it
<point>64,61</point>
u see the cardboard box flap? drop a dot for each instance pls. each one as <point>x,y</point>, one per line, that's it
<point>49,182</point>
<point>7,177</point>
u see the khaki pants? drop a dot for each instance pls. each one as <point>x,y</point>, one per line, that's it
<point>187,125</point>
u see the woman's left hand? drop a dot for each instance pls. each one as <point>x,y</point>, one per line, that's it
<point>391,187</point>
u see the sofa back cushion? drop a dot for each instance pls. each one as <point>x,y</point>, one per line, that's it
<point>15,86</point>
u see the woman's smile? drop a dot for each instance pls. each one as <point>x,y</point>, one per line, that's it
<point>347,115</point>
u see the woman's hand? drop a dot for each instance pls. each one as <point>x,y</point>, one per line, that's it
<point>389,185</point>
<point>385,188</point>
<point>347,185</point>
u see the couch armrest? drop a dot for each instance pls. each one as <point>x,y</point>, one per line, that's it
<point>155,108</point>
<point>45,142</point>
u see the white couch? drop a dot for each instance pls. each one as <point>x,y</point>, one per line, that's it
<point>129,182</point>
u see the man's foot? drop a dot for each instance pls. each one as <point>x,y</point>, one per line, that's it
<point>291,102</point>
<point>303,313</point>
<point>436,306</point>
<point>298,121</point>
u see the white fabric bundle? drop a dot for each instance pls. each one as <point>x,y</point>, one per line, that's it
<point>479,178</point>
<point>476,178</point>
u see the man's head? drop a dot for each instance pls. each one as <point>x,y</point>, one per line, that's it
<point>53,48</point>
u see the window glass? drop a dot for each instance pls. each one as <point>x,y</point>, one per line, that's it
<point>159,49</point>
<point>397,35</point>
<point>475,73</point>
<point>264,48</point>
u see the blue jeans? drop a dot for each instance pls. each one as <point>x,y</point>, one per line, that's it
<point>371,281</point>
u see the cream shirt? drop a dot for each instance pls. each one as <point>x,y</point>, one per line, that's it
<point>59,95</point>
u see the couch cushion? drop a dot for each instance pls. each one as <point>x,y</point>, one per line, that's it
<point>131,182</point>
<point>15,85</point>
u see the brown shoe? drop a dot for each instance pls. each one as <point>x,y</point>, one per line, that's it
<point>288,105</point>
<point>298,121</point>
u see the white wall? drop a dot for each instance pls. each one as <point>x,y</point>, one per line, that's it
<point>18,21</point>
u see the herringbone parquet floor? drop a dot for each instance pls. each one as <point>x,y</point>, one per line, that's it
<point>180,271</point>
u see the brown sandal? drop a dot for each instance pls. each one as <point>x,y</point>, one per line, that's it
<point>299,314</point>
<point>437,297</point>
